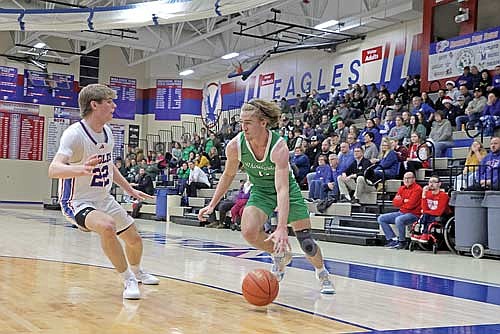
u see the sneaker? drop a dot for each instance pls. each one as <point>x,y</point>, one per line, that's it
<point>424,238</point>
<point>355,201</point>
<point>280,261</point>
<point>131,290</point>
<point>326,284</point>
<point>401,245</point>
<point>391,243</point>
<point>146,279</point>
<point>212,224</point>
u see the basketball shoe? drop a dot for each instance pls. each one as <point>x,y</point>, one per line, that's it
<point>146,279</point>
<point>131,290</point>
<point>326,284</point>
<point>280,261</point>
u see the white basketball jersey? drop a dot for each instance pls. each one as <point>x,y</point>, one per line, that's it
<point>79,142</point>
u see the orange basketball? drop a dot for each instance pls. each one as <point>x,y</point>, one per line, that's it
<point>260,287</point>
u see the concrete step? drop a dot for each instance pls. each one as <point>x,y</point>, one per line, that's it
<point>179,211</point>
<point>208,193</point>
<point>392,186</point>
<point>197,202</point>
<point>459,152</point>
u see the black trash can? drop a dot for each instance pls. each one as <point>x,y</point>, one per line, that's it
<point>471,219</point>
<point>492,203</point>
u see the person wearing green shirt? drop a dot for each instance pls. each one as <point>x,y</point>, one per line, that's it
<point>265,158</point>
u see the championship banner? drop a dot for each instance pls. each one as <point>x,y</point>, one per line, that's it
<point>125,89</point>
<point>448,58</point>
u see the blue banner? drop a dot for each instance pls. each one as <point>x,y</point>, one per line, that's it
<point>168,99</point>
<point>8,83</point>
<point>125,89</point>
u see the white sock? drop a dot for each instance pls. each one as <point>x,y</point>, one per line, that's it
<point>127,274</point>
<point>136,269</point>
<point>318,270</point>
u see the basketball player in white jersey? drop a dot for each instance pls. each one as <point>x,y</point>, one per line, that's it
<point>84,166</point>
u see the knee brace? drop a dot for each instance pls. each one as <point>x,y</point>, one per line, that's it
<point>306,242</point>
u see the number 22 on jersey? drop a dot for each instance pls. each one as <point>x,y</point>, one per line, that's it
<point>101,177</point>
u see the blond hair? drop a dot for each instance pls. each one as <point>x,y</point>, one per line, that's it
<point>94,92</point>
<point>266,110</point>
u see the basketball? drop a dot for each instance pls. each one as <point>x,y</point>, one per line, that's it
<point>260,287</point>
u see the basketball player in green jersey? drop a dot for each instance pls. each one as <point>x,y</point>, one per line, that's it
<point>265,158</point>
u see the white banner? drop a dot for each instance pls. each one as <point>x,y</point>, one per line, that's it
<point>56,127</point>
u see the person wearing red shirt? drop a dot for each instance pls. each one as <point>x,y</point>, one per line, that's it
<point>434,205</point>
<point>408,200</point>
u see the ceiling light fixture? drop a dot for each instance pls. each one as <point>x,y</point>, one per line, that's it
<point>326,24</point>
<point>230,55</point>
<point>39,45</point>
<point>186,72</point>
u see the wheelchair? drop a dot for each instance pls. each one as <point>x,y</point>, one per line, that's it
<point>441,233</point>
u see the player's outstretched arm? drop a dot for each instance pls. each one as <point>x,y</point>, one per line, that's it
<point>230,170</point>
<point>61,169</point>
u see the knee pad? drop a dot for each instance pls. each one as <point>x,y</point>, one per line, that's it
<point>306,242</point>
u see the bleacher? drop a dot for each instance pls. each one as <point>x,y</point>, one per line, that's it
<point>341,222</point>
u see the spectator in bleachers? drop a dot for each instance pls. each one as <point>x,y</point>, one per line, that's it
<point>130,152</point>
<point>191,156</point>
<point>346,157</point>
<point>133,170</point>
<point>383,103</point>
<point>215,163</point>
<point>491,113</point>
<point>210,142</point>
<point>352,142</point>
<point>201,161</point>
<point>144,182</point>
<point>324,150</point>
<point>401,150</point>
<point>313,149</point>
<point>324,129</point>
<point>352,178</point>
<point>406,117</point>
<point>334,143</point>
<point>388,123</point>
<point>372,96</point>
<point>465,79</point>
<point>418,155</point>
<point>495,82</point>
<point>469,174</point>
<point>121,167</point>
<point>235,126</point>
<point>426,99</point>
<point>489,169</point>
<point>182,177</point>
<point>369,148</point>
<point>187,149</point>
<point>333,96</point>
<point>301,162</point>
<point>344,110</point>
<point>197,179</point>
<point>176,151</point>
<point>452,91</point>
<point>239,205</point>
<point>322,175</point>
<point>310,118</point>
<point>461,107</point>
<point>224,207</point>
<point>354,131</point>
<point>399,132</point>
<point>335,118</point>
<point>332,188</point>
<point>473,110</point>
<point>441,134</point>
<point>357,105</point>
<point>476,76</point>
<point>398,108</point>
<point>285,108</point>
<point>387,162</point>
<point>450,110</point>
<point>341,130</point>
<point>466,94</point>
<point>223,128</point>
<point>415,126</point>
<point>307,131</point>
<point>370,127</point>
<point>408,201</point>
<point>228,135</point>
<point>364,92</point>
<point>434,205</point>
<point>485,84</point>
<point>418,105</point>
<point>421,120</point>
<point>438,104</point>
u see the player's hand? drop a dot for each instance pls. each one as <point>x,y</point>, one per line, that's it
<point>90,163</point>
<point>280,239</point>
<point>204,213</point>
<point>139,194</point>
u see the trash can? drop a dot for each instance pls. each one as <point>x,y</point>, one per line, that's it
<point>492,203</point>
<point>161,203</point>
<point>471,219</point>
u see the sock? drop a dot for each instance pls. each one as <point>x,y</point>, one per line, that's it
<point>395,239</point>
<point>136,269</point>
<point>127,274</point>
<point>318,270</point>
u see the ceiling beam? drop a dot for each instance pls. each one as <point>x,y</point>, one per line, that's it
<point>230,25</point>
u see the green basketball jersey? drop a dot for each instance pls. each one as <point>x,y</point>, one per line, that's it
<point>261,172</point>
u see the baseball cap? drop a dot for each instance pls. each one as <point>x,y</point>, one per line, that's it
<point>398,101</point>
<point>314,138</point>
<point>477,89</point>
<point>461,98</point>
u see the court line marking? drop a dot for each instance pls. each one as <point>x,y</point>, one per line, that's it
<point>200,284</point>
